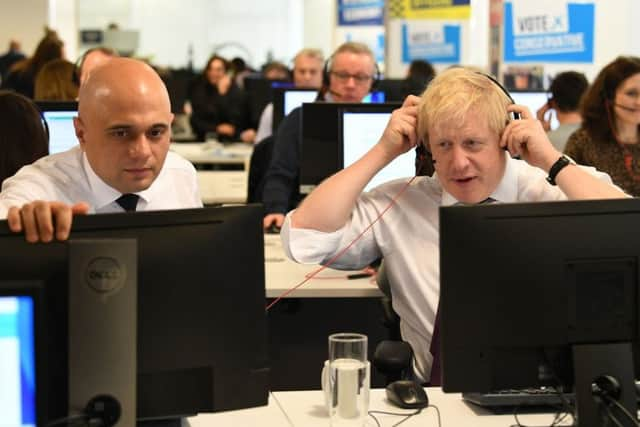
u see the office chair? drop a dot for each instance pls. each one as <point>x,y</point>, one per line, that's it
<point>392,357</point>
<point>258,166</point>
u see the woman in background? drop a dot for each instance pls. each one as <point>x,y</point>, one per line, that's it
<point>55,82</point>
<point>609,138</point>
<point>23,136</point>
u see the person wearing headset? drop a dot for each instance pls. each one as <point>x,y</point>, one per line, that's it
<point>307,73</point>
<point>462,119</point>
<point>566,91</point>
<point>348,77</point>
<point>609,138</point>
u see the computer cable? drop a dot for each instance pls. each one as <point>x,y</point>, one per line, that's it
<point>406,415</point>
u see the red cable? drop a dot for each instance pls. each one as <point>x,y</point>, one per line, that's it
<point>342,251</point>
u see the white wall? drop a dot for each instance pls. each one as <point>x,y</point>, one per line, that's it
<point>23,20</point>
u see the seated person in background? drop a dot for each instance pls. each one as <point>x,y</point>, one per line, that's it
<point>23,139</point>
<point>419,74</point>
<point>566,90</point>
<point>91,59</point>
<point>276,70</point>
<point>351,72</point>
<point>307,73</point>
<point>22,75</point>
<point>218,105</point>
<point>124,127</point>
<point>10,57</point>
<point>462,118</point>
<point>609,138</point>
<point>55,82</point>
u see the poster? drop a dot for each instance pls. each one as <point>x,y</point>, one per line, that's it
<point>429,9</point>
<point>548,31</point>
<point>360,12</point>
<point>434,41</point>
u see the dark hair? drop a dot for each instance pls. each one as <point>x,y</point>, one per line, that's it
<point>567,89</point>
<point>25,139</point>
<point>419,75</point>
<point>214,57</point>
<point>278,67</point>
<point>49,48</point>
<point>597,103</point>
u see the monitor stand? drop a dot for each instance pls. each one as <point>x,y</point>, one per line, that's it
<point>103,323</point>
<point>591,363</point>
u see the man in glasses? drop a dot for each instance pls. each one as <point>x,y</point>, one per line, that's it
<point>348,77</point>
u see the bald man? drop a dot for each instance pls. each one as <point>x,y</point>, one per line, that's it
<point>124,128</point>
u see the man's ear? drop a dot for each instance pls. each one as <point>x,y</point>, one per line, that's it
<point>79,129</point>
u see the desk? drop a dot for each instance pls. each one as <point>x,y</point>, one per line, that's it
<point>281,274</point>
<point>219,185</point>
<point>214,153</point>
<point>270,415</point>
<point>306,408</point>
<point>300,323</point>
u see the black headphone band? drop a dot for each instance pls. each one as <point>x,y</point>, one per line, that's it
<point>326,71</point>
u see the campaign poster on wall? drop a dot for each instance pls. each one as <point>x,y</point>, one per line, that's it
<point>434,41</point>
<point>548,31</point>
<point>360,12</point>
<point>430,9</point>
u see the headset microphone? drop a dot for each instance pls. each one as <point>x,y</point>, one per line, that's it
<point>624,107</point>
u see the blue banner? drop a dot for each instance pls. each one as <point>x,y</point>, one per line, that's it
<point>429,40</point>
<point>565,36</point>
<point>360,12</point>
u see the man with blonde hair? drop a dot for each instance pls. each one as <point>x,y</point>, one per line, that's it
<point>462,118</point>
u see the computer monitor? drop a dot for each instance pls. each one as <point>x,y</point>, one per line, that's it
<point>535,100</point>
<point>201,306</point>
<point>19,303</point>
<point>541,294</point>
<point>286,99</point>
<point>321,153</point>
<point>259,94</point>
<point>393,89</point>
<point>361,128</point>
<point>59,120</point>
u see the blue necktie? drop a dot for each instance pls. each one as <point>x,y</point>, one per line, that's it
<point>128,202</point>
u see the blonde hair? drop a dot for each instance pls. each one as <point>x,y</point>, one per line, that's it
<point>311,53</point>
<point>453,93</point>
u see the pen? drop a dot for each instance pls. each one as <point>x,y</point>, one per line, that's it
<point>358,276</point>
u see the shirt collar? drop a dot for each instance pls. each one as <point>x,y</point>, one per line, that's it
<point>505,192</point>
<point>103,193</point>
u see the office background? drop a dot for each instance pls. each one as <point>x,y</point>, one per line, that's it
<point>168,28</point>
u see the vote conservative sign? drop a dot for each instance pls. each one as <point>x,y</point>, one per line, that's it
<point>548,31</point>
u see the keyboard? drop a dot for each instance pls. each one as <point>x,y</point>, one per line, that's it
<point>533,397</point>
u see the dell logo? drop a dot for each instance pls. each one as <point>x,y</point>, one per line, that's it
<point>105,275</point>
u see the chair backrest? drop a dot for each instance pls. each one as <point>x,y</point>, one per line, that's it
<point>258,166</point>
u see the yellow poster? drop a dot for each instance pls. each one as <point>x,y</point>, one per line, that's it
<point>429,9</point>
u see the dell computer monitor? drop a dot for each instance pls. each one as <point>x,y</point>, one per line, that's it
<point>534,101</point>
<point>58,117</point>
<point>201,323</point>
<point>541,294</point>
<point>360,129</point>
<point>321,153</point>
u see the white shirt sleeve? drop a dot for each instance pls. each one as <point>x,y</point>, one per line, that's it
<point>265,126</point>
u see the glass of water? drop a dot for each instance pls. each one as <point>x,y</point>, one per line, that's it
<point>348,382</point>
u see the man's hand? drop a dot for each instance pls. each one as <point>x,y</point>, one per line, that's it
<point>226,129</point>
<point>248,135</point>
<point>544,115</point>
<point>400,134</point>
<point>40,220</point>
<point>526,138</point>
<point>276,219</point>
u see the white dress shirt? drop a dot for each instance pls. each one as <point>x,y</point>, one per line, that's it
<point>67,177</point>
<point>265,126</point>
<point>407,236</point>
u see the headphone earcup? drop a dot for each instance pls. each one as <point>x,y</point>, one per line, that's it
<point>325,72</point>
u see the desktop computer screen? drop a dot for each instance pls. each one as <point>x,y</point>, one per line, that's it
<point>535,100</point>
<point>286,99</point>
<point>201,322</point>
<point>361,129</point>
<point>17,359</point>
<point>321,152</point>
<point>59,120</point>
<point>541,294</point>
